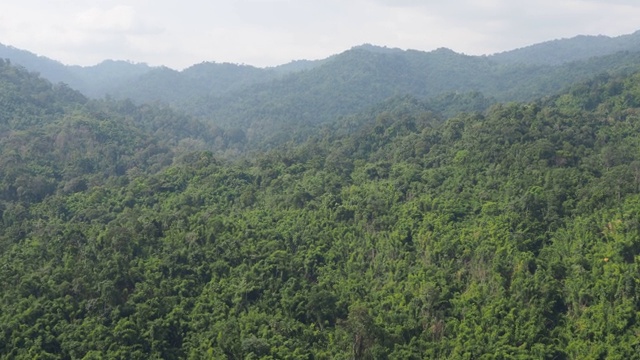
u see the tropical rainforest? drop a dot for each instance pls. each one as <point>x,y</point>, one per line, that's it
<point>326,210</point>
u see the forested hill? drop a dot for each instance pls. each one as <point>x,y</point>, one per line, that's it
<point>521,74</point>
<point>507,234</point>
<point>150,84</point>
<point>262,108</point>
<point>90,80</point>
<point>362,77</point>
<point>179,88</point>
<point>55,140</point>
<point>567,50</point>
<point>262,103</point>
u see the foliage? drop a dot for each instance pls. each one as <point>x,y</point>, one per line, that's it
<point>507,234</point>
<point>266,107</point>
<point>578,48</point>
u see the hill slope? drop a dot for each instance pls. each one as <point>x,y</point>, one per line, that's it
<point>360,78</point>
<point>449,72</point>
<point>90,80</point>
<point>53,139</point>
<point>568,50</point>
<point>508,234</point>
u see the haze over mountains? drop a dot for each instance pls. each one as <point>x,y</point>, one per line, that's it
<point>261,102</point>
<point>110,76</point>
<point>574,49</point>
<point>315,92</point>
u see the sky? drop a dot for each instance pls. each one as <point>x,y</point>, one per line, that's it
<point>180,33</point>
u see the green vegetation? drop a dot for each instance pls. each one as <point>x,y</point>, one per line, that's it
<point>279,104</point>
<point>578,48</point>
<point>133,232</point>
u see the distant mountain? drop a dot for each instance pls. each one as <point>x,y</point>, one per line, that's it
<point>141,82</point>
<point>52,70</point>
<point>361,77</point>
<point>178,88</point>
<point>298,65</point>
<point>561,51</point>
<point>54,139</point>
<point>349,82</point>
<point>261,102</point>
<point>90,80</point>
<point>108,74</point>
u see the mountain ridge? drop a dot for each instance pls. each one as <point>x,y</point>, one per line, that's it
<point>263,101</point>
<point>506,233</point>
<point>565,50</point>
<point>598,45</point>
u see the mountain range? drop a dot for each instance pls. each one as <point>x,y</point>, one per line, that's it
<point>261,101</point>
<point>378,204</point>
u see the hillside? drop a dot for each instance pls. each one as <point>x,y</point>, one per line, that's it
<point>96,80</point>
<point>123,79</point>
<point>55,140</point>
<point>90,80</point>
<point>562,51</point>
<point>52,70</point>
<point>180,88</point>
<point>510,233</point>
<point>244,96</point>
<point>355,80</point>
<point>263,108</point>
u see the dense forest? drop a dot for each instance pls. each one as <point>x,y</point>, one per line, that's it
<point>123,79</point>
<point>448,227</point>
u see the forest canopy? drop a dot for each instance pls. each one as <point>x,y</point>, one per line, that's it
<point>136,231</point>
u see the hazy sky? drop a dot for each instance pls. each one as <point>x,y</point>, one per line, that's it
<point>179,33</point>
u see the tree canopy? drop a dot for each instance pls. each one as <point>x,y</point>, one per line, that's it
<point>132,231</point>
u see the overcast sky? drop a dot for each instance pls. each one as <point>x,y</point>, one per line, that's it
<point>179,33</point>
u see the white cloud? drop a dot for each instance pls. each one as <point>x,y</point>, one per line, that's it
<point>270,32</point>
<point>119,18</point>
<point>497,25</point>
